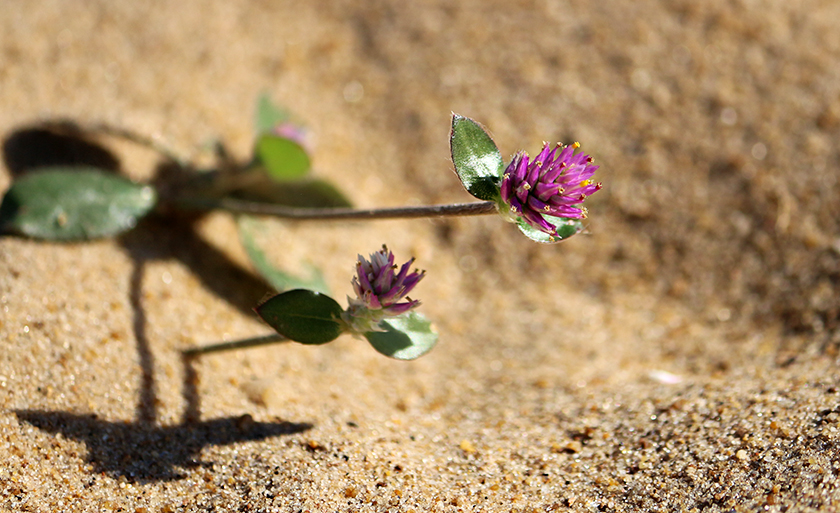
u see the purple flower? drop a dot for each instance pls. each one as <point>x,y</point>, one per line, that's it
<point>379,289</point>
<point>554,184</point>
<point>294,133</point>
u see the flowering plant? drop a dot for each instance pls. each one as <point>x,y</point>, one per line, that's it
<point>376,313</point>
<point>543,196</point>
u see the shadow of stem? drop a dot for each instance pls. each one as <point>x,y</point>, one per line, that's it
<point>146,404</point>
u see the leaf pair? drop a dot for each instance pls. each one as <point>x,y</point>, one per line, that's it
<point>312,318</point>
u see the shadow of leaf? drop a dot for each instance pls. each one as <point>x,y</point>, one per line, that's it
<point>140,452</point>
<point>54,144</point>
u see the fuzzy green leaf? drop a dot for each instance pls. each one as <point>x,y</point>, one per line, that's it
<point>269,115</point>
<point>303,316</point>
<point>477,160</point>
<point>278,278</point>
<point>406,337</point>
<point>566,227</point>
<point>284,159</point>
<point>70,203</point>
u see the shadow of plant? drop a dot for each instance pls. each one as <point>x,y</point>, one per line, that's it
<point>141,450</point>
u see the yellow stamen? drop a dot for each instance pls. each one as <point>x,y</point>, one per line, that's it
<point>526,186</point>
<point>575,145</point>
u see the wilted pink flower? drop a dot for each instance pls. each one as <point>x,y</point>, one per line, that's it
<point>379,290</point>
<point>554,184</point>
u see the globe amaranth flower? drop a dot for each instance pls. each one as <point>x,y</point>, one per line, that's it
<point>380,289</point>
<point>554,184</point>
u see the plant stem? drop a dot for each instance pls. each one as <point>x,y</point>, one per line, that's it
<point>140,140</point>
<point>311,214</point>
<point>236,344</point>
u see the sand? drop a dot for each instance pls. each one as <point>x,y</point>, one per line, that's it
<point>682,355</point>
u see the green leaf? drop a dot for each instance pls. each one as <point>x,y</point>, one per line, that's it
<point>269,115</point>
<point>304,193</point>
<point>477,159</point>
<point>283,158</point>
<point>406,337</point>
<point>566,227</point>
<point>74,203</point>
<point>279,279</point>
<point>303,315</point>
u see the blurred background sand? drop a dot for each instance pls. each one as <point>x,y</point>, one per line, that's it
<point>680,356</point>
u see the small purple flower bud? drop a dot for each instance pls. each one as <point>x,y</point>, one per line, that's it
<point>379,288</point>
<point>294,133</point>
<point>555,183</point>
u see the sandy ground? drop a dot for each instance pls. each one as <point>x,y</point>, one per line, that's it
<point>681,356</point>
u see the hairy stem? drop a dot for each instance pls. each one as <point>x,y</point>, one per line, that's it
<point>236,344</point>
<point>138,139</point>
<point>312,214</point>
